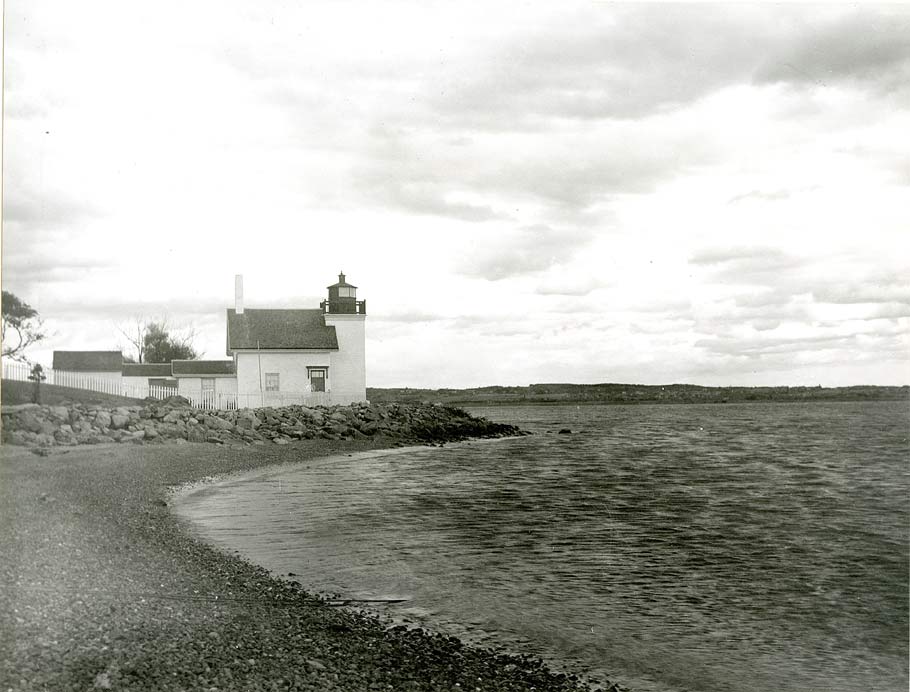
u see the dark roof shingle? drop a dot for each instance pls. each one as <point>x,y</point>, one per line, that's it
<point>146,370</point>
<point>284,329</point>
<point>88,361</point>
<point>203,367</point>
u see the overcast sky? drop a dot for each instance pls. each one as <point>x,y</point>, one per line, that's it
<point>523,192</point>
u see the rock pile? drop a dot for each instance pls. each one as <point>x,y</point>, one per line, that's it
<point>174,419</point>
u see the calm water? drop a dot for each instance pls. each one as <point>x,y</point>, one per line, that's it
<point>740,547</point>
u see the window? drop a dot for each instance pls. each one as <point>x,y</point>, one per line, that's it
<point>271,382</point>
<point>162,382</point>
<point>345,292</point>
<point>317,379</point>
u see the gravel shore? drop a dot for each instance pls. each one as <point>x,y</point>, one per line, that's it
<point>103,588</point>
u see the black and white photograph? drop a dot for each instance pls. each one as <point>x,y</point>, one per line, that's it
<point>455,346</point>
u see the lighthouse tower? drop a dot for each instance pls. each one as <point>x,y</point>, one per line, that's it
<point>348,315</point>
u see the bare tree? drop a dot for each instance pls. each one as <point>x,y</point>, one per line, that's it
<point>154,340</point>
<point>134,332</point>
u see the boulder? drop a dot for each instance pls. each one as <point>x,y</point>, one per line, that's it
<point>102,419</point>
<point>119,421</point>
<point>247,420</point>
<point>196,434</point>
<point>28,421</point>
<point>82,426</point>
<point>65,438</point>
<point>221,424</point>
<point>176,401</point>
<point>48,428</point>
<point>20,437</point>
<point>370,428</point>
<point>44,440</point>
<point>60,413</point>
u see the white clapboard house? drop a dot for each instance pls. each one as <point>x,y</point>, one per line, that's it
<point>278,357</point>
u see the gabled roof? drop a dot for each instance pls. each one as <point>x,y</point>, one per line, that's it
<point>202,367</point>
<point>282,329</point>
<point>88,361</point>
<point>146,370</point>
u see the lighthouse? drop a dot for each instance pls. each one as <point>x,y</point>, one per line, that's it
<point>343,299</point>
<point>347,315</point>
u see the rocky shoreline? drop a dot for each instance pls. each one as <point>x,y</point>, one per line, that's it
<point>174,419</point>
<point>106,589</point>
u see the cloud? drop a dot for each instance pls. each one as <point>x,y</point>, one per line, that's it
<point>44,208</point>
<point>769,297</point>
<point>866,48</point>
<point>567,284</point>
<point>425,197</point>
<point>757,255</point>
<point>760,346</point>
<point>520,252</point>
<point>765,325</point>
<point>761,266</point>
<point>591,67</point>
<point>114,311</point>
<point>532,177</point>
<point>761,195</point>
<point>876,289</point>
<point>25,271</point>
<point>407,317</point>
<point>890,311</point>
<point>634,61</point>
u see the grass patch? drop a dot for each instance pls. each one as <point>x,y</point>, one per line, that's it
<point>13,392</point>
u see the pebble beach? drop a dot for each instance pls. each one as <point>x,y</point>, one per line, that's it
<point>104,588</point>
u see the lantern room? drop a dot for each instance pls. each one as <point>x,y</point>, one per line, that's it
<point>343,299</point>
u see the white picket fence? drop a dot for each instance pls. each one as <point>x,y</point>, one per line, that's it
<point>21,372</point>
<point>206,400</point>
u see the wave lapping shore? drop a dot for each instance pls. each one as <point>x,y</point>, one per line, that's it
<point>104,588</point>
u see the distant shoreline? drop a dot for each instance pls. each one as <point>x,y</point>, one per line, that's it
<point>470,403</point>
<point>618,394</point>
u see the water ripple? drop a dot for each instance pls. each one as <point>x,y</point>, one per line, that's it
<point>754,547</point>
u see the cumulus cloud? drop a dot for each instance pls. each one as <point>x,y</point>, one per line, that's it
<point>568,284</point>
<point>866,48</point>
<point>763,267</point>
<point>44,208</point>
<point>23,272</point>
<point>761,196</point>
<point>759,345</point>
<point>591,68</point>
<point>523,251</point>
<point>407,317</point>
<point>557,174</point>
<point>753,256</point>
<point>876,289</point>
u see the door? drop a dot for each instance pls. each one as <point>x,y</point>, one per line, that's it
<point>317,380</point>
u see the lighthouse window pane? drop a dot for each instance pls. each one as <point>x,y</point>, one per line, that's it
<point>344,292</point>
